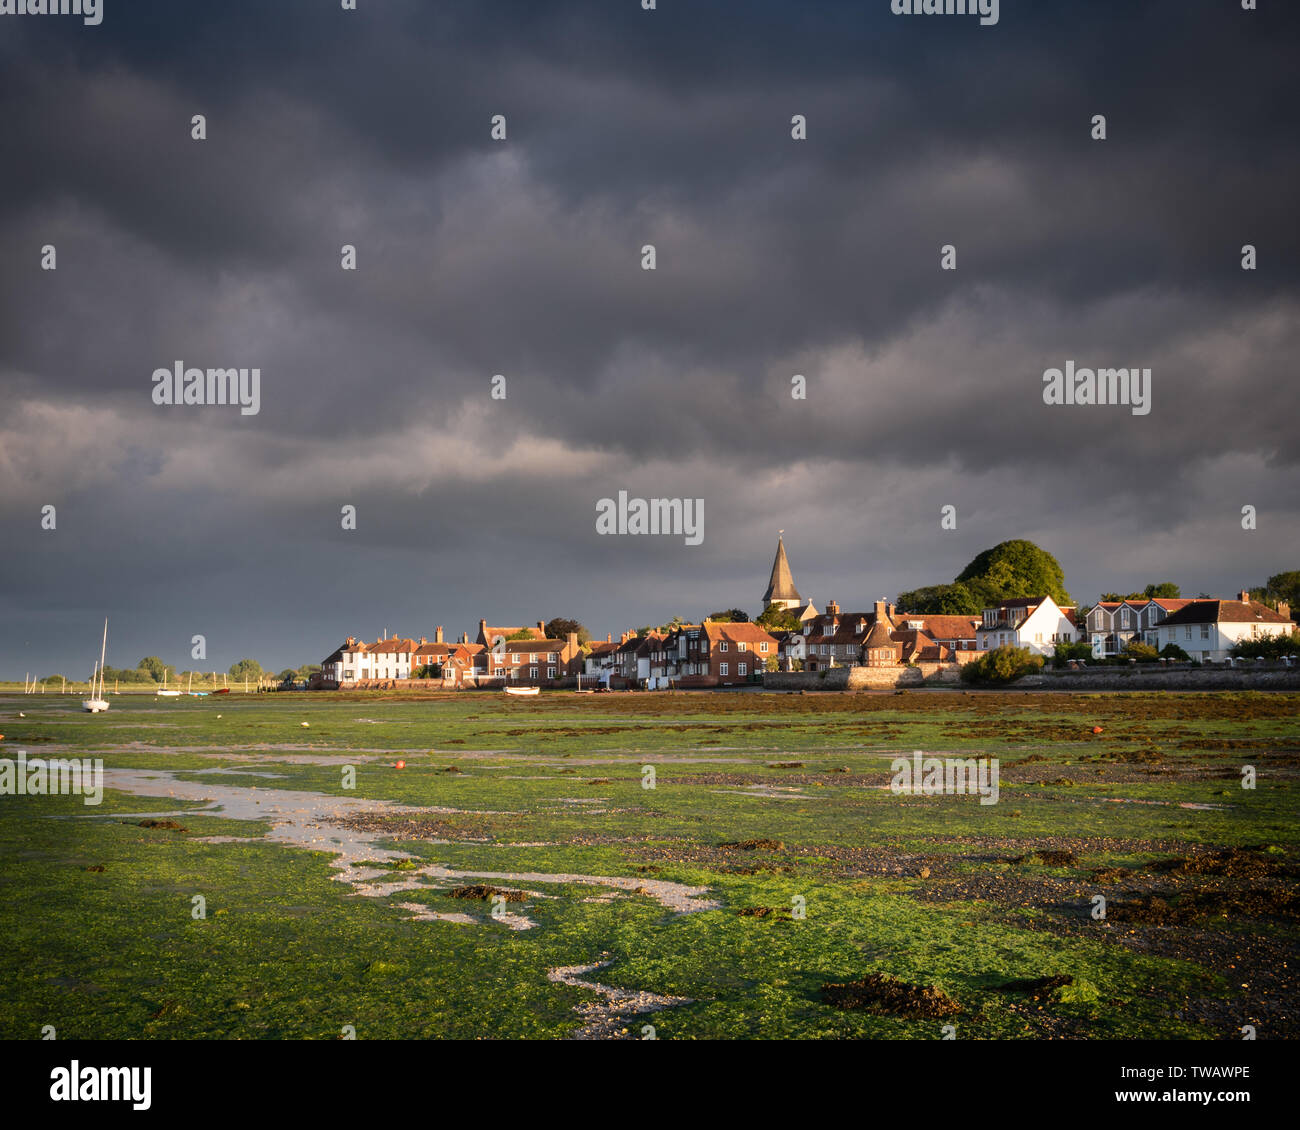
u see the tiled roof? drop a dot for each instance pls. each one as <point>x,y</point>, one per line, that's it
<point>1224,612</point>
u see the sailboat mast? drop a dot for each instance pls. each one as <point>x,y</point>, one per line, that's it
<point>103,648</point>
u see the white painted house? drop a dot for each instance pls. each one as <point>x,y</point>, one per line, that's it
<point>1207,629</point>
<point>1035,622</point>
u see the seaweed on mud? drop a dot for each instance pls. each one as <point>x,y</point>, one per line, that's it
<point>1036,987</point>
<point>884,995</point>
<point>1175,910</point>
<point>483,892</point>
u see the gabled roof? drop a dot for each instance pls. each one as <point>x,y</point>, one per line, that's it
<point>919,646</point>
<point>781,584</point>
<point>879,636</point>
<point>942,627</point>
<point>736,633</point>
<point>489,634</point>
<point>393,645</point>
<point>1224,612</point>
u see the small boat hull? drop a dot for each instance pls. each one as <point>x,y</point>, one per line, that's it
<point>521,690</point>
<point>94,705</point>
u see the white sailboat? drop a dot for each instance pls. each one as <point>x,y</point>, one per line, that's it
<point>97,702</point>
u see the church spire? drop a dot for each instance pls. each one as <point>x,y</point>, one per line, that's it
<point>780,588</point>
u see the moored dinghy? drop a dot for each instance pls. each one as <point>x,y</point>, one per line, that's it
<point>97,703</point>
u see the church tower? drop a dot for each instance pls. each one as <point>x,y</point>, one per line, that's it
<point>780,588</point>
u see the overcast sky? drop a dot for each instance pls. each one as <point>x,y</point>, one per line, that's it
<point>523,258</point>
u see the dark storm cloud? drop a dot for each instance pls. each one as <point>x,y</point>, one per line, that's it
<point>775,257</point>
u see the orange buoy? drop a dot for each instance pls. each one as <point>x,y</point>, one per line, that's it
<point>400,765</point>
<point>1096,729</point>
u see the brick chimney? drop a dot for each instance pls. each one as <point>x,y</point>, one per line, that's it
<point>541,627</point>
<point>832,609</point>
<point>464,637</point>
<point>482,630</point>
<point>437,635</point>
<point>609,637</point>
<point>1245,596</point>
<point>881,611</point>
<point>1284,609</point>
<point>423,641</point>
<point>572,641</point>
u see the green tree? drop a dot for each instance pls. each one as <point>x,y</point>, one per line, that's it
<point>1014,569</point>
<point>1267,647</point>
<point>1002,665</point>
<point>1165,589</point>
<point>730,616</point>
<point>560,627</point>
<point>155,668</point>
<point>1064,652</point>
<point>1142,652</point>
<point>776,618</point>
<point>1173,651</point>
<point>125,675</point>
<point>522,634</point>
<point>1284,586</point>
<point>249,669</point>
<point>940,600</point>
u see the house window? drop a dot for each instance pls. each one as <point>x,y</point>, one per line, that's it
<point>550,672</point>
<point>762,647</point>
<point>1188,631</point>
<point>723,669</point>
<point>550,657</point>
<point>742,647</point>
<point>532,657</point>
<point>1205,631</point>
<point>514,659</point>
<point>742,669</point>
<point>722,646</point>
<point>532,672</point>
